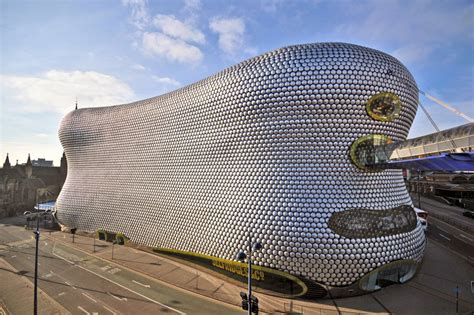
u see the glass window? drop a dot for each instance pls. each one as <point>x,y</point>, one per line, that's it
<point>395,272</point>
<point>384,106</point>
<point>366,151</point>
<point>367,223</point>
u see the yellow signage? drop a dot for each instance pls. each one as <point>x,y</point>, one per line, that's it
<point>238,269</point>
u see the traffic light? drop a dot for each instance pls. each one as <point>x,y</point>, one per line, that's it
<point>254,304</point>
<point>245,301</point>
<point>73,231</point>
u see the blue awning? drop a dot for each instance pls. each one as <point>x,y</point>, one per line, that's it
<point>462,162</point>
<point>46,206</point>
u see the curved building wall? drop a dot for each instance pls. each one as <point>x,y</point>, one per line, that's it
<point>259,148</point>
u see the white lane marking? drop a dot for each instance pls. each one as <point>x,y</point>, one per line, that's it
<point>118,298</point>
<point>445,237</point>
<point>61,294</point>
<point>143,285</point>
<point>468,238</point>
<point>89,297</point>
<point>128,289</point>
<point>114,270</point>
<point>70,285</point>
<point>13,256</point>
<point>85,312</point>
<point>108,309</point>
<point>72,263</point>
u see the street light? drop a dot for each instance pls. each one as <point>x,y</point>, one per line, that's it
<point>241,256</point>
<point>37,236</point>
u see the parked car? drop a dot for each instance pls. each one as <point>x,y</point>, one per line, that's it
<point>423,217</point>
<point>468,213</point>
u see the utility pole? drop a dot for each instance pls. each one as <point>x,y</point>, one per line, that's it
<point>419,189</point>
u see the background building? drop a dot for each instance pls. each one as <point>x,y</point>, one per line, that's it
<point>22,186</point>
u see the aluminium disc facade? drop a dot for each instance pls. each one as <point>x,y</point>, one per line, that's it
<point>261,148</point>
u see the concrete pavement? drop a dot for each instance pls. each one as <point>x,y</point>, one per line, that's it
<point>84,284</point>
<point>19,294</point>
<point>430,292</point>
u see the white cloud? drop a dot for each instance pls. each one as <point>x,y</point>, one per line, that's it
<point>173,27</point>
<point>192,5</point>
<point>166,80</point>
<point>271,6</point>
<point>159,44</point>
<point>140,17</point>
<point>411,53</point>
<point>139,67</point>
<point>231,32</point>
<point>56,91</point>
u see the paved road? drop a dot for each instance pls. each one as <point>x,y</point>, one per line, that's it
<point>84,284</point>
<point>448,226</point>
<point>446,212</point>
<point>457,240</point>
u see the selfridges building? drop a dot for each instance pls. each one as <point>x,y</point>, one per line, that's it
<point>274,149</point>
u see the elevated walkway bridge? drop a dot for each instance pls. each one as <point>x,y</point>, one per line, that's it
<point>447,150</point>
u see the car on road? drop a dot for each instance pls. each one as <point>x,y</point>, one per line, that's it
<point>469,214</point>
<point>423,217</point>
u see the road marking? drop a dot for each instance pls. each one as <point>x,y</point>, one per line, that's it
<point>72,263</point>
<point>108,309</point>
<point>70,285</point>
<point>118,298</point>
<point>89,297</point>
<point>61,294</point>
<point>85,312</point>
<point>445,237</point>
<point>13,256</point>
<point>124,287</point>
<point>468,238</point>
<point>143,285</point>
<point>114,270</point>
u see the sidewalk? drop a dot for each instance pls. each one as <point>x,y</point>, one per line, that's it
<point>430,292</point>
<point>203,283</point>
<point>19,294</point>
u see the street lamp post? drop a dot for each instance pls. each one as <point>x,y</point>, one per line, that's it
<point>37,237</point>
<point>241,256</point>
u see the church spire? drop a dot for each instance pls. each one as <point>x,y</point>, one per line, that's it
<point>76,103</point>
<point>29,167</point>
<point>28,162</point>
<point>7,164</point>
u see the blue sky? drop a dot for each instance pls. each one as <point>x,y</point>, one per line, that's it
<point>112,52</point>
